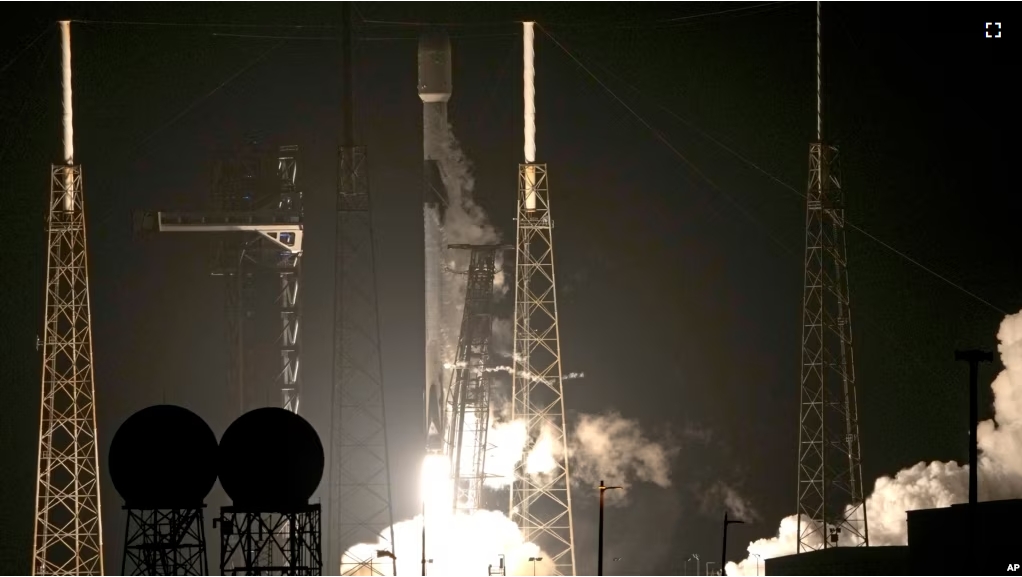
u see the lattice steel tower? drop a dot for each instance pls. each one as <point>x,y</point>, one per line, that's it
<point>468,404</point>
<point>276,218</point>
<point>540,505</point>
<point>830,492</point>
<point>360,504</point>
<point>68,527</point>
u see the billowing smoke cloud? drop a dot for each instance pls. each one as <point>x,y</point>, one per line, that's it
<point>456,544</point>
<point>611,448</point>
<point>937,484</point>
<point>466,547</point>
<point>737,506</point>
<point>465,222</point>
<point>603,447</point>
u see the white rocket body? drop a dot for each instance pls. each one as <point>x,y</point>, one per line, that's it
<point>434,89</point>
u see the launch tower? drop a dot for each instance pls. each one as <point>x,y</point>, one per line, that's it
<point>276,219</point>
<point>68,528</point>
<point>540,505</point>
<point>468,400</point>
<point>830,492</point>
<point>360,504</point>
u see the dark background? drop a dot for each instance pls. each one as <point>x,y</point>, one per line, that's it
<point>679,300</point>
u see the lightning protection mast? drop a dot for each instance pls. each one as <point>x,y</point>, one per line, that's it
<point>831,507</point>
<point>540,506</point>
<point>68,527</point>
<point>360,503</point>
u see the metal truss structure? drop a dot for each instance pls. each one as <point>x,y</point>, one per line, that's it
<point>273,242</point>
<point>540,504</point>
<point>270,543</point>
<point>830,488</point>
<point>468,402</point>
<point>165,542</point>
<point>831,506</point>
<point>360,480</point>
<point>68,529</point>
<point>360,500</point>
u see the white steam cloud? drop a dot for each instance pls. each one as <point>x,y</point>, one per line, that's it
<point>464,222</point>
<point>604,447</point>
<point>937,484</point>
<point>456,544</point>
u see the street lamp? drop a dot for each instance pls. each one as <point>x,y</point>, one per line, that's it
<point>758,559</point>
<point>534,559</point>
<point>723,547</point>
<point>599,564</point>
<point>696,557</point>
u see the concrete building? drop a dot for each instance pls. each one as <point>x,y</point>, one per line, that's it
<point>939,542</point>
<point>939,539</point>
<point>843,561</point>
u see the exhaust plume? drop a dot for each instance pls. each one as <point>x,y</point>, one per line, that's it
<point>609,446</point>
<point>937,484</point>
<point>529,58</point>
<point>605,446</point>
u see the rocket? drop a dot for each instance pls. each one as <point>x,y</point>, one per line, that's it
<point>434,90</point>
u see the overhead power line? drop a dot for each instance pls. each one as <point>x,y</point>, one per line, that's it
<point>660,136</point>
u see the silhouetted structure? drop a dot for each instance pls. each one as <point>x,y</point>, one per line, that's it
<point>938,539</point>
<point>270,462</point>
<point>163,464</point>
<point>266,208</point>
<point>360,505</point>
<point>829,487</point>
<point>843,561</point>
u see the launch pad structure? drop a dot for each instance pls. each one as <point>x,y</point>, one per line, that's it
<point>68,538</point>
<point>539,505</point>
<point>467,415</point>
<point>830,491</point>
<point>276,246</point>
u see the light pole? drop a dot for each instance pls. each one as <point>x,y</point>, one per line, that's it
<point>758,559</point>
<point>534,559</point>
<point>696,557</point>
<point>723,547</point>
<point>599,564</point>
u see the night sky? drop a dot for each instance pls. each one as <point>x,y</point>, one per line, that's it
<point>679,299</point>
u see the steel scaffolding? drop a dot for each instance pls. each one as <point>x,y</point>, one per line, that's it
<point>540,504</point>
<point>68,528</point>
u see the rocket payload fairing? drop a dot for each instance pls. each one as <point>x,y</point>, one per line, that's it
<point>434,90</point>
